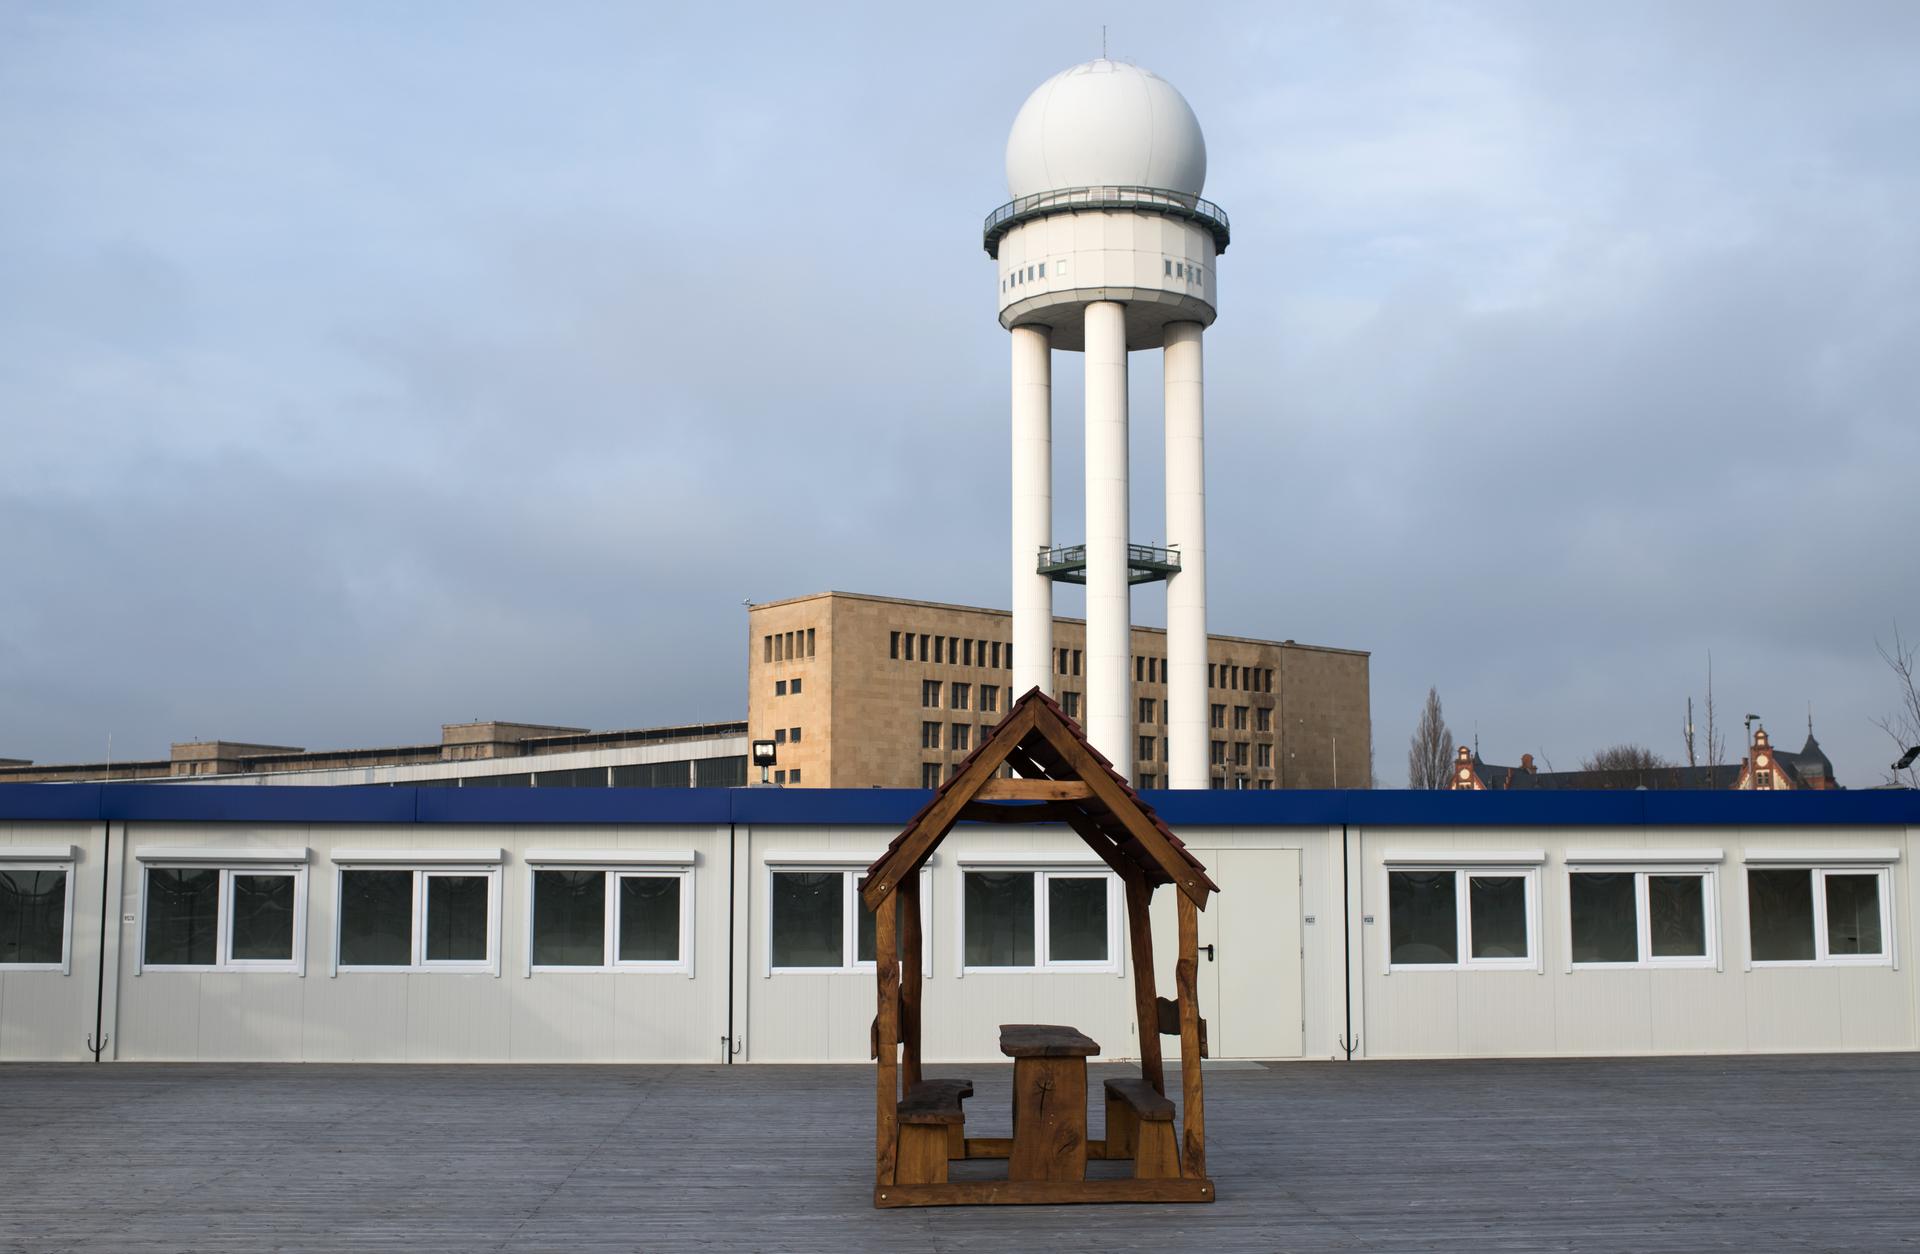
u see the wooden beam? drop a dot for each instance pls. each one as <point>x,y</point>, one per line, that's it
<point>1126,868</point>
<point>887,1077</point>
<point>1193,1102</point>
<point>1041,1192</point>
<point>1191,882</point>
<point>1034,790</point>
<point>940,817</point>
<point>1170,1023</point>
<point>910,946</point>
<point>1140,932</point>
<point>1043,812</point>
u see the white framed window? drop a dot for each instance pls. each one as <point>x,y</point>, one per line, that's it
<point>610,910</point>
<point>418,910</point>
<point>36,908</point>
<point>1058,915</point>
<point>1820,910</point>
<point>222,910</point>
<point>1653,915</point>
<point>816,923</point>
<point>1464,911</point>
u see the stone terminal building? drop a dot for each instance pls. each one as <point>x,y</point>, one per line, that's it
<point>865,691</point>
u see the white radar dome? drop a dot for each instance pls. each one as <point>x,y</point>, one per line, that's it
<point>1106,124</point>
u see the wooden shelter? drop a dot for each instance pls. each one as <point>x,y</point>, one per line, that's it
<point>1058,778</point>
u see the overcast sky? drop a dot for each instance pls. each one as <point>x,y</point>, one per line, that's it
<point>368,368</point>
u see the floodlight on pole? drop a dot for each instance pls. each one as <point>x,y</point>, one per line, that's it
<point>1907,758</point>
<point>764,756</point>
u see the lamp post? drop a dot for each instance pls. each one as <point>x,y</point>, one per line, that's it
<point>764,756</point>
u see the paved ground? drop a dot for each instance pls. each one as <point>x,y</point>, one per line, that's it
<point>1804,1153</point>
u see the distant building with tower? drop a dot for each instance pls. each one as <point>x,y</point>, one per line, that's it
<point>1763,769</point>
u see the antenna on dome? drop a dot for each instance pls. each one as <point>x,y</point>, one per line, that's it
<point>1103,42</point>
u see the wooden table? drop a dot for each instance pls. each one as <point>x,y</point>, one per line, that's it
<point>1049,1100</point>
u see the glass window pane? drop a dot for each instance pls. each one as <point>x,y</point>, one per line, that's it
<point>1422,922</point>
<point>1677,915</point>
<point>376,918</point>
<point>569,918</point>
<point>262,918</point>
<point>183,916</point>
<point>1605,923</point>
<point>863,928</point>
<point>1853,914</point>
<point>1499,916</point>
<point>999,922</point>
<point>809,911</point>
<point>1780,915</point>
<point>1077,919</point>
<point>649,918</point>
<point>456,918</point>
<point>33,915</point>
<point>720,772</point>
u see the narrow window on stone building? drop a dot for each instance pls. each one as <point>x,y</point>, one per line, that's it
<point>810,631</point>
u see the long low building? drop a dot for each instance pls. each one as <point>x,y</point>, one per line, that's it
<point>186,922</point>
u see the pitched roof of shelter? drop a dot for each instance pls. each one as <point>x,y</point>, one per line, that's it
<point>1061,778</point>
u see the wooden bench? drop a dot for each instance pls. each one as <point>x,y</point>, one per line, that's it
<point>932,1130</point>
<point>1140,1127</point>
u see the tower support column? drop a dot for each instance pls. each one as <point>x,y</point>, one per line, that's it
<point>1108,717</point>
<point>1187,696</point>
<point>1032,508</point>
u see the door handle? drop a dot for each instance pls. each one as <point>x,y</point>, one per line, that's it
<point>1209,949</point>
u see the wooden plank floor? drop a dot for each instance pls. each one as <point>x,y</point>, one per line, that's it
<point>1801,1153</point>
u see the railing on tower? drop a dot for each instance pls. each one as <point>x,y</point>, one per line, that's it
<point>1067,563</point>
<point>1075,199</point>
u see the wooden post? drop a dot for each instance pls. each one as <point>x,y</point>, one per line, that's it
<point>910,943</point>
<point>1193,1111</point>
<point>1140,930</point>
<point>887,1083</point>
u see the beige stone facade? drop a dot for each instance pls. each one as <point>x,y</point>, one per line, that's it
<point>865,691</point>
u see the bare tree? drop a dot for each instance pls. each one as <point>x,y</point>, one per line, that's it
<point>1714,742</point>
<point>1903,725</point>
<point>1430,752</point>
<point>1686,735</point>
<point>1625,757</point>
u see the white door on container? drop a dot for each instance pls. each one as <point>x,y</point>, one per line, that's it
<point>1249,977</point>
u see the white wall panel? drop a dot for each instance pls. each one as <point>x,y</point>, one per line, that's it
<point>1590,1011</point>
